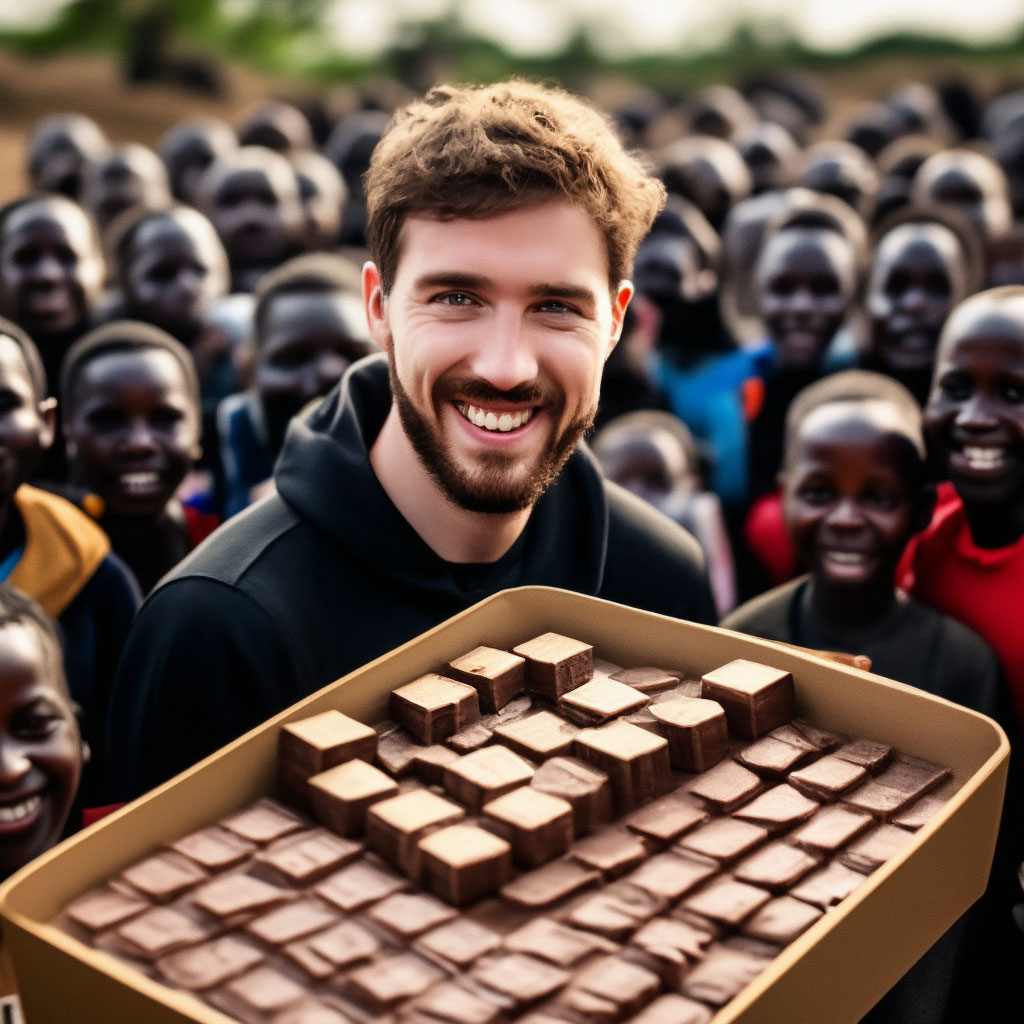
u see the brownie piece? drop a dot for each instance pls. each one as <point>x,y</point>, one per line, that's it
<point>696,732</point>
<point>616,911</point>
<point>874,848</point>
<point>408,914</point>
<point>293,921</point>
<point>727,900</point>
<point>304,857</point>
<point>869,755</point>
<point>776,867</point>
<point>214,848</point>
<point>673,1009</point>
<point>163,876</point>
<point>756,698</point>
<point>637,762</point>
<point>725,786</point>
<point>265,821</point>
<point>397,752</point>
<point>458,943</point>
<point>359,884</point>
<point>522,978</point>
<point>210,963</point>
<point>667,818</point>
<point>613,851</point>
<point>827,778</point>
<point>781,920</point>
<point>825,887</point>
<point>484,775</point>
<point>614,980</point>
<point>539,826</point>
<point>557,943</point>
<point>549,884</point>
<point>831,828</point>
<point>345,944</point>
<point>723,839</point>
<point>808,737</point>
<point>670,875</point>
<point>673,945</point>
<point>538,736</point>
<point>646,679</point>
<point>390,979</point>
<point>341,796</point>
<point>881,802</point>
<point>912,776</point>
<point>463,862</point>
<point>452,1003</point>
<point>920,813</point>
<point>312,745</point>
<point>556,664</point>
<point>395,826</point>
<point>497,676</point>
<point>262,990</point>
<point>103,908</point>
<point>162,930</point>
<point>586,788</point>
<point>722,974</point>
<point>433,707</point>
<point>473,737</point>
<point>778,808</point>
<point>600,700</point>
<point>228,895</point>
<point>771,756</point>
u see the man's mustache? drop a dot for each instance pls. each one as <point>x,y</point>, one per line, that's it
<point>480,391</point>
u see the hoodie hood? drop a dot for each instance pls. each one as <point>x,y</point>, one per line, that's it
<point>324,475</point>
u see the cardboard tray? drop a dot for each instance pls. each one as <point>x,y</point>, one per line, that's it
<point>844,963</point>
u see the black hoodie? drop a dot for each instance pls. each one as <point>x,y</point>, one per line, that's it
<point>327,575</point>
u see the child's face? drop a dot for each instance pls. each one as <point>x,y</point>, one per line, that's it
<point>40,748</point>
<point>918,276</point>
<point>51,270</point>
<point>971,184</point>
<point>175,271</point>
<point>805,281</point>
<point>309,340</point>
<point>135,431</point>
<point>26,424</point>
<point>651,465</point>
<point>257,219</point>
<point>128,176</point>
<point>849,503</point>
<point>975,413</point>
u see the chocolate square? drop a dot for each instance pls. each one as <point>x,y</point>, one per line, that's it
<point>473,737</point>
<point>497,676</point>
<point>600,700</point>
<point>771,756</point>
<point>341,796</point>
<point>458,943</point>
<point>673,1009</point>
<point>827,778</point>
<point>104,908</point>
<point>725,786</point>
<point>920,813</point>
<point>389,980</point>
<point>873,756</point>
<point>585,787</point>
<point>612,851</point>
<point>636,761</point>
<point>214,848</point>
<point>452,1003</point>
<point>646,679</point>
<point>408,914</point>
<point>777,808</point>
<point>312,745</point>
<point>293,921</point>
<point>723,839</point>
<point>359,884</point>
<point>556,664</point>
<point>433,707</point>
<point>265,990</point>
<point>781,920</point>
<point>538,736</point>
<point>874,848</point>
<point>485,775</point>
<point>429,762</point>
<point>264,821</point>
<point>522,978</point>
<point>344,944</point>
<point>463,862</point>
<point>555,942</point>
<point>831,828</point>
<point>395,826</point>
<point>667,818</point>
<point>616,911</point>
<point>539,826</point>
<point>210,963</point>
<point>164,876</point>
<point>695,730</point>
<point>304,857</point>
<point>550,884</point>
<point>233,894</point>
<point>722,974</point>
<point>727,900</point>
<point>827,886</point>
<point>776,867</point>
<point>670,875</point>
<point>756,698</point>
<point>162,930</point>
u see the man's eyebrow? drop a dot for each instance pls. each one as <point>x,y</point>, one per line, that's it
<point>451,279</point>
<point>573,292</point>
<point>471,282</point>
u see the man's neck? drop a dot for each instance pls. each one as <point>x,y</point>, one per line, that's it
<point>453,533</point>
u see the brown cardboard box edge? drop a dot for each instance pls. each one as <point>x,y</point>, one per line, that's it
<point>839,963</point>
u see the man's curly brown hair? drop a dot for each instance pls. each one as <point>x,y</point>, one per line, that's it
<point>481,151</point>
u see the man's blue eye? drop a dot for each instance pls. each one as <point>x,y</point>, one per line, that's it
<point>456,299</point>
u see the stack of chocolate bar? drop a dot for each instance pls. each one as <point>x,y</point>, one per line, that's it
<point>533,836</point>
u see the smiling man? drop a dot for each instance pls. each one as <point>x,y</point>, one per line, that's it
<point>503,222</point>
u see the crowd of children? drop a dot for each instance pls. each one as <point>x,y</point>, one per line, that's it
<point>821,376</point>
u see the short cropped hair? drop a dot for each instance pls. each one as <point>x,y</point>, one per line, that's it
<point>19,609</point>
<point>479,151</point>
<point>856,387</point>
<point>316,272</point>
<point>123,336</point>
<point>29,353</point>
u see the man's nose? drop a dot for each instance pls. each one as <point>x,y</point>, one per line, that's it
<point>505,356</point>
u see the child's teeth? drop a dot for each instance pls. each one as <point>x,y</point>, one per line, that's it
<point>847,557</point>
<point>19,811</point>
<point>983,456</point>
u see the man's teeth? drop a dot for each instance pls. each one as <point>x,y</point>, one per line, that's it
<point>139,482</point>
<point>492,421</point>
<point>19,811</point>
<point>983,458</point>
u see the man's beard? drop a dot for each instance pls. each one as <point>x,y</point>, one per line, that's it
<point>493,488</point>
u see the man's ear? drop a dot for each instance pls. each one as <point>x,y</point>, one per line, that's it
<point>48,415</point>
<point>620,303</point>
<point>925,506</point>
<point>373,302</point>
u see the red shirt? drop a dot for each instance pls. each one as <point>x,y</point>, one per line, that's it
<point>981,587</point>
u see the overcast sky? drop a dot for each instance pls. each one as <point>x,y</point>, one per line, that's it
<point>625,27</point>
